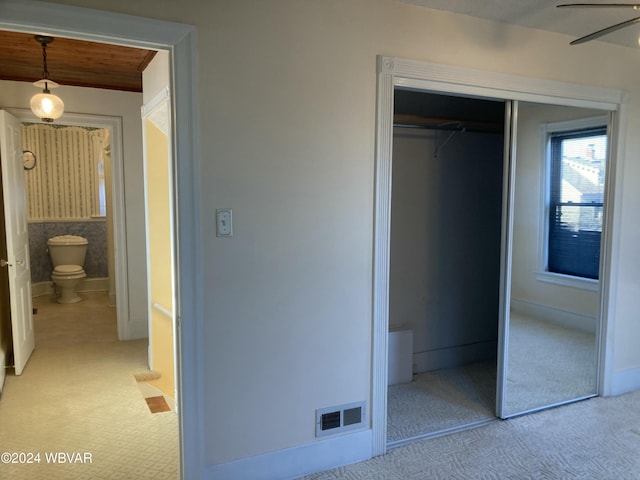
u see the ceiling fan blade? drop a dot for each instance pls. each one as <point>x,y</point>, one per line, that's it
<point>605,31</point>
<point>634,6</point>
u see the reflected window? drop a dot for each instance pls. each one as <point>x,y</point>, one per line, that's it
<point>576,196</point>
<point>102,193</point>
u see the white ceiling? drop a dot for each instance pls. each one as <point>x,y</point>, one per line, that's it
<point>543,15</point>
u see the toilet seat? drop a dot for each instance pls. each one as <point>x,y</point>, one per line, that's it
<point>68,270</point>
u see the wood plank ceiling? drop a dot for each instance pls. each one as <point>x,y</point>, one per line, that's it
<point>73,62</point>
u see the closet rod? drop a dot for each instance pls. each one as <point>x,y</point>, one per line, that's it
<point>431,127</point>
<point>443,123</point>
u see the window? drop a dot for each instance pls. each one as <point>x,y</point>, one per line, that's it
<point>100,151</point>
<point>102,191</point>
<point>576,195</point>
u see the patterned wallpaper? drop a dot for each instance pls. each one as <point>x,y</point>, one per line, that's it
<point>95,264</point>
<point>64,183</point>
<point>62,194</point>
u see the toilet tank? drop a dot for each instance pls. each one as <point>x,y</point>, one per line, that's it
<point>67,250</point>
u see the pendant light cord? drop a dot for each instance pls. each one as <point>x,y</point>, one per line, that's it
<point>45,73</point>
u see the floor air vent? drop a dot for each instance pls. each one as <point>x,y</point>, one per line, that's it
<point>340,419</point>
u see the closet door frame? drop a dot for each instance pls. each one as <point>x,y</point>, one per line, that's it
<point>446,79</point>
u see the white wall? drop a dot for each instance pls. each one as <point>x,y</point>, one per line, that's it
<point>446,219</point>
<point>127,106</point>
<point>286,96</point>
<point>155,77</point>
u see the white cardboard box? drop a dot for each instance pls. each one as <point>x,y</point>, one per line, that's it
<point>400,356</point>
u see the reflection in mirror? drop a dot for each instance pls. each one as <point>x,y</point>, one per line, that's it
<point>560,160</point>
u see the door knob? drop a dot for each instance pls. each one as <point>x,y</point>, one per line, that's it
<point>4,263</point>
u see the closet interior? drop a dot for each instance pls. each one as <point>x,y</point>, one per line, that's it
<point>444,276</point>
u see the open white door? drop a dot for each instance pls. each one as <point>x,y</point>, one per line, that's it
<point>15,207</point>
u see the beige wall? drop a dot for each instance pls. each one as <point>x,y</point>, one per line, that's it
<point>160,256</point>
<point>286,93</point>
<point>155,79</point>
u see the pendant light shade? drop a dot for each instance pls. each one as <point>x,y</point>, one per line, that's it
<point>46,105</point>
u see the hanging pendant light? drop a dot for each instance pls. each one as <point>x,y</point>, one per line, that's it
<point>46,105</point>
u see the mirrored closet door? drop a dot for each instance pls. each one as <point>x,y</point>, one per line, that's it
<point>554,230</point>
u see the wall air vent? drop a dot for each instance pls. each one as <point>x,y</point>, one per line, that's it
<point>340,419</point>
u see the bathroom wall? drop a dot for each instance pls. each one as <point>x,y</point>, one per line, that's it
<point>64,194</point>
<point>95,265</point>
<point>64,183</point>
<point>445,244</point>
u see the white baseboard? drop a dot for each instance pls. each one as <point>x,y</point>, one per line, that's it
<point>298,461</point>
<point>559,316</point>
<point>88,285</point>
<point>42,288</point>
<point>454,356</point>
<point>625,381</point>
<point>94,285</point>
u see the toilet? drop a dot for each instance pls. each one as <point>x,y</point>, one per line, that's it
<point>67,255</point>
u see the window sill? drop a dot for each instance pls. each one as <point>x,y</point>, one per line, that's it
<point>569,281</point>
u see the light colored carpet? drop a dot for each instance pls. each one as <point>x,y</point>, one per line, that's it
<point>83,397</point>
<point>596,439</point>
<point>440,400</point>
<point>548,364</point>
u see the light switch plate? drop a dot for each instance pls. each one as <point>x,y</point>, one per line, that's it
<point>224,222</point>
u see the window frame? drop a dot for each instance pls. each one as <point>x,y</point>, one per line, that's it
<point>547,131</point>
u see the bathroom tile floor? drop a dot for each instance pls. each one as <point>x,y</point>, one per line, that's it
<point>78,403</point>
<point>61,325</point>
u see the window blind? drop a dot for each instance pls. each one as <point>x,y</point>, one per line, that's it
<point>576,201</point>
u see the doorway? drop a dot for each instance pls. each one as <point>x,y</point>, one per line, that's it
<point>178,39</point>
<point>68,169</point>
<point>93,145</point>
<point>444,275</point>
